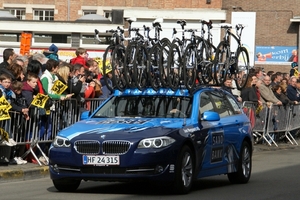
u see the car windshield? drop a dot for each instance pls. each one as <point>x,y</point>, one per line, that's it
<point>146,106</point>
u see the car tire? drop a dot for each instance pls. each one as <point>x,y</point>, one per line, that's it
<point>184,171</point>
<point>243,173</point>
<point>64,185</point>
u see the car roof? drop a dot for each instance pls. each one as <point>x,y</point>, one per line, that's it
<point>161,92</point>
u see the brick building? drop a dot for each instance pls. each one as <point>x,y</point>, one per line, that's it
<point>57,22</point>
<point>70,10</point>
<point>276,23</point>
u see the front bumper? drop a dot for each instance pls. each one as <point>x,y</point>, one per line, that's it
<point>140,164</point>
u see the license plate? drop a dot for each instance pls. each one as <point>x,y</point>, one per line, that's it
<point>100,160</point>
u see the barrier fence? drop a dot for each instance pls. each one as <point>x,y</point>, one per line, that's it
<point>42,128</point>
<point>270,123</point>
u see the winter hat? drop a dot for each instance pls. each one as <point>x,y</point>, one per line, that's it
<point>294,64</point>
<point>53,48</point>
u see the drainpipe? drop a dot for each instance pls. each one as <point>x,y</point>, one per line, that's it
<point>68,11</point>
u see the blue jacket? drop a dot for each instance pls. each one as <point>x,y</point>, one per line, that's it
<point>105,91</point>
<point>292,93</point>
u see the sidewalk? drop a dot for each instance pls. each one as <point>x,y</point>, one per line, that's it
<point>30,171</point>
<point>24,172</point>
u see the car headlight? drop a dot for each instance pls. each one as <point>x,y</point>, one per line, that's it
<point>61,142</point>
<point>156,143</point>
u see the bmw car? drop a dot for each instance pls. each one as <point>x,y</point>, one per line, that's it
<point>176,137</point>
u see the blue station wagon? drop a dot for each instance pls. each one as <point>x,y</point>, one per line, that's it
<point>164,135</point>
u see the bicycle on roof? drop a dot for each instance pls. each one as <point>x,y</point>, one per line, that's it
<point>228,63</point>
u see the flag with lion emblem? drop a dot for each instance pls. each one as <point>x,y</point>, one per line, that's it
<point>40,100</point>
<point>59,87</point>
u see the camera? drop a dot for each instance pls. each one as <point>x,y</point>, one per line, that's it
<point>89,76</point>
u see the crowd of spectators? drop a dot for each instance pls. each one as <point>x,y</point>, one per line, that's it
<point>271,88</point>
<point>23,77</point>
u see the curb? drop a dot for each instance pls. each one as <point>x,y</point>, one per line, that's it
<point>264,147</point>
<point>19,174</point>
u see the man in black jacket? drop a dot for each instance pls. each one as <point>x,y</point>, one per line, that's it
<point>8,57</point>
<point>291,91</point>
<point>228,87</point>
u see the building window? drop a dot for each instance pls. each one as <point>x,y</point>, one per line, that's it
<point>10,37</point>
<point>43,15</point>
<point>90,39</point>
<point>18,12</point>
<point>107,14</point>
<point>87,12</point>
<point>52,38</point>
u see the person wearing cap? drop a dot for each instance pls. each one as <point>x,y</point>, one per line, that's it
<point>105,90</point>
<point>52,52</point>
<point>294,70</point>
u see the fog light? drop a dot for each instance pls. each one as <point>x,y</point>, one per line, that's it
<point>55,168</point>
<point>159,169</point>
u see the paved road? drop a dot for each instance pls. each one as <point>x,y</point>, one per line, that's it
<point>275,176</point>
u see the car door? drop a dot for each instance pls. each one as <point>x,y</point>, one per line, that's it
<point>232,121</point>
<point>209,131</point>
<point>219,133</point>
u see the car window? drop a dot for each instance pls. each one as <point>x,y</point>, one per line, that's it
<point>205,103</point>
<point>222,105</point>
<point>234,104</point>
<point>147,106</point>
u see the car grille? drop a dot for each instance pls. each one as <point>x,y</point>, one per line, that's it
<point>87,146</point>
<point>116,147</point>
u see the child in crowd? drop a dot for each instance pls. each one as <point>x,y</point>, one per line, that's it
<point>81,58</point>
<point>18,104</point>
<point>5,82</point>
<point>18,101</point>
<point>29,86</point>
<point>13,96</point>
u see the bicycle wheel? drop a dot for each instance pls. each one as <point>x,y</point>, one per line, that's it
<point>129,63</point>
<point>189,66</point>
<point>221,63</point>
<point>154,59</point>
<point>107,60</point>
<point>205,61</point>
<point>118,74</point>
<point>140,67</point>
<point>242,67</point>
<point>163,64</point>
<point>174,68</point>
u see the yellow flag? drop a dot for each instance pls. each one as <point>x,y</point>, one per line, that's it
<point>4,114</point>
<point>59,87</point>
<point>4,102</point>
<point>40,100</point>
<point>296,73</point>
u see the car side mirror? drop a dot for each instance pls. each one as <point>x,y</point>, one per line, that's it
<point>84,115</point>
<point>211,116</point>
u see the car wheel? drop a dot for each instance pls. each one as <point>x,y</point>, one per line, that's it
<point>64,185</point>
<point>184,171</point>
<point>243,173</point>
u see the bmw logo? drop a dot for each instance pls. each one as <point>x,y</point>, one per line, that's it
<point>103,136</point>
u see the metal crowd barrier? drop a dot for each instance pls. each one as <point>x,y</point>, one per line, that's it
<point>273,120</point>
<point>40,129</point>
